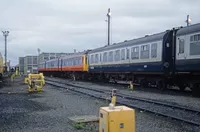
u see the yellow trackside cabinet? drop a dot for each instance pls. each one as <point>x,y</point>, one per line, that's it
<point>118,119</point>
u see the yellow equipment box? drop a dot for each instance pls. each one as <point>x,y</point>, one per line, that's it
<point>118,119</point>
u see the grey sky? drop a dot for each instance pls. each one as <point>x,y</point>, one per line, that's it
<point>64,25</point>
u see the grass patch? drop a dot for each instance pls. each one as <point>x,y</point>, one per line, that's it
<point>79,125</point>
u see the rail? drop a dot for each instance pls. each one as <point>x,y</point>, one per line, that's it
<point>188,115</point>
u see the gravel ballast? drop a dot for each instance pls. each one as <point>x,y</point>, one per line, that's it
<point>50,110</point>
<point>174,99</point>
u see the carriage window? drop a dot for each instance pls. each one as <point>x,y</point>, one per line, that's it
<point>153,50</point>
<point>80,61</point>
<point>110,56</point>
<point>192,38</point>
<point>100,57</point>
<point>76,61</point>
<point>66,63</point>
<point>145,52</point>
<point>195,37</point>
<point>70,62</point>
<point>105,57</point>
<point>127,54</point>
<point>135,53</point>
<point>123,54</point>
<point>181,46</point>
<point>117,55</point>
<point>195,45</point>
<point>96,58</point>
<point>92,59</point>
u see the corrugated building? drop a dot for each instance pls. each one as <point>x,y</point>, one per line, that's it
<point>30,64</point>
<point>21,65</point>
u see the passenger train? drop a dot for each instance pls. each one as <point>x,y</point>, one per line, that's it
<point>164,59</point>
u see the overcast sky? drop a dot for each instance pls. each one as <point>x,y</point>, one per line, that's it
<point>64,25</point>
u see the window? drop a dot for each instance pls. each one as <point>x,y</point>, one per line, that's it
<point>55,63</point>
<point>127,54</point>
<point>135,53</point>
<point>105,57</point>
<point>191,38</point>
<point>195,44</point>
<point>195,37</point>
<point>145,52</point>
<point>117,55</point>
<point>100,57</point>
<point>35,61</point>
<point>123,54</point>
<point>52,57</point>
<point>46,58</point>
<point>153,50</point>
<point>110,56</point>
<point>29,58</point>
<point>67,63</point>
<point>92,59</point>
<point>80,61</point>
<point>74,61</point>
<point>181,46</point>
<point>96,58</point>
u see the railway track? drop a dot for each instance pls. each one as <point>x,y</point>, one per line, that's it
<point>181,113</point>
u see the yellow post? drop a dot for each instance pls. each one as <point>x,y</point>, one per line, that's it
<point>131,85</point>
<point>17,71</point>
<point>113,100</point>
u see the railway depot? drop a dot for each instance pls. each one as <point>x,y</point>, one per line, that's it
<point>61,71</point>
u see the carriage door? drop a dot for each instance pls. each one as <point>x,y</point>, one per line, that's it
<point>167,53</point>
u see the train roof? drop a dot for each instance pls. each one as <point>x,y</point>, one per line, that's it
<point>69,56</point>
<point>189,29</point>
<point>75,55</point>
<point>146,39</point>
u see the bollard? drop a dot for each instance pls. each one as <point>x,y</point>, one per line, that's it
<point>113,100</point>
<point>131,85</point>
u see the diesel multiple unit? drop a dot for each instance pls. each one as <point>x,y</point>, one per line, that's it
<point>164,59</point>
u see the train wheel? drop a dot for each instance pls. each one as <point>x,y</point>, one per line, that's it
<point>74,77</point>
<point>161,85</point>
<point>144,83</point>
<point>181,87</point>
<point>196,90</point>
